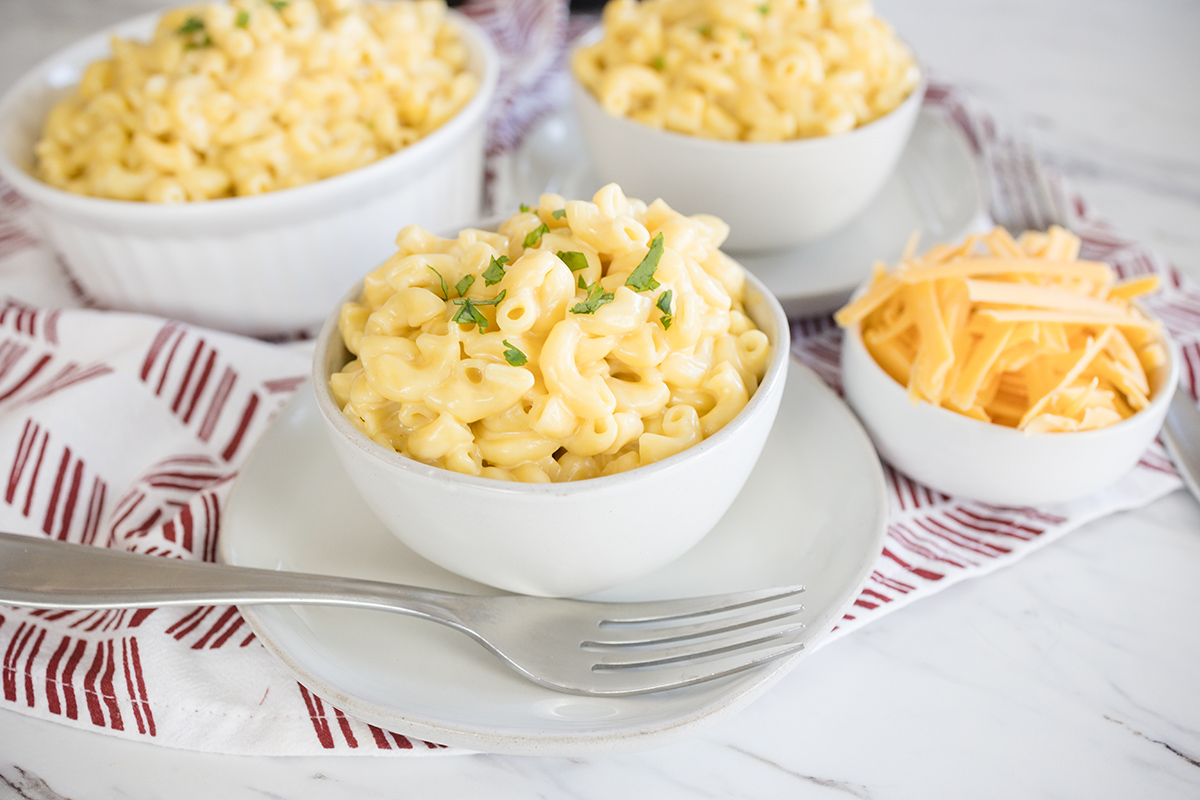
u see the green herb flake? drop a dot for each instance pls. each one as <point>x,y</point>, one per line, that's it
<point>525,209</point>
<point>642,278</point>
<point>742,32</point>
<point>658,63</point>
<point>278,5</point>
<point>495,271</point>
<point>664,305</point>
<point>596,297</point>
<point>243,19</point>
<point>534,237</point>
<point>442,281</point>
<point>462,301</point>
<point>582,284</point>
<point>191,25</point>
<point>705,30</point>
<point>462,286</point>
<point>469,313</point>
<point>560,213</point>
<point>513,355</point>
<point>197,36</point>
<point>764,9</point>
<point>574,260</point>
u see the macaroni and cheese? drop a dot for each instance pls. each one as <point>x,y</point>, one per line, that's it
<point>755,70</point>
<point>250,96</point>
<point>579,339</point>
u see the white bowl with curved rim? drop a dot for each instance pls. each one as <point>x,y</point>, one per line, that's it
<point>264,265</point>
<point>559,539</point>
<point>977,460</point>
<point>772,194</point>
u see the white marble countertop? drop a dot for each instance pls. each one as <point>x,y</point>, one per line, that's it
<point>1072,673</point>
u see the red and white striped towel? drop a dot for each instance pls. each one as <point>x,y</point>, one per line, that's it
<point>126,431</point>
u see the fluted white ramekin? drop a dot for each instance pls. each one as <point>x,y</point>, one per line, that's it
<point>267,265</point>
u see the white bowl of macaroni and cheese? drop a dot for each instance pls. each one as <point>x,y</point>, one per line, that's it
<point>559,405</point>
<point>783,121</point>
<point>236,164</point>
<point>1006,370</point>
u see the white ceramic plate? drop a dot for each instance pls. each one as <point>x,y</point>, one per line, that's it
<point>813,512</point>
<point>935,190</point>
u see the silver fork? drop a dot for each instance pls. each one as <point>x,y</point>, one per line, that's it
<point>1024,196</point>
<point>574,646</point>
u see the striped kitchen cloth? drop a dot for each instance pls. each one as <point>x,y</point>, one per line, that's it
<point>126,431</point>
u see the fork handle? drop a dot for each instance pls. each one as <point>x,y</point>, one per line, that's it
<point>44,573</point>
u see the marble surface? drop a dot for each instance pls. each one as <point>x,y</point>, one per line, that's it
<point>1070,674</point>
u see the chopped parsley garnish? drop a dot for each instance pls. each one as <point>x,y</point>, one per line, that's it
<point>582,284</point>
<point>514,356</point>
<point>705,29</point>
<point>442,281</point>
<point>664,305</point>
<point>658,63</point>
<point>642,278</point>
<point>243,19</point>
<point>574,260</point>
<point>525,209</point>
<point>190,26</point>
<point>469,313</point>
<point>596,297</point>
<point>462,286</point>
<point>278,5</point>
<point>197,36</point>
<point>559,213</point>
<point>495,271</point>
<point>764,9</point>
<point>534,237</point>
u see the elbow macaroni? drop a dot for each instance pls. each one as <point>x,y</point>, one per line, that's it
<point>753,70</point>
<point>580,339</point>
<point>255,95</point>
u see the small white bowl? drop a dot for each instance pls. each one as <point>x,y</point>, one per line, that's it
<point>772,194</point>
<point>265,265</point>
<point>968,458</point>
<point>561,539</point>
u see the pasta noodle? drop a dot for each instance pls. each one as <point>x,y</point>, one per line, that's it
<point>251,96</point>
<point>580,339</point>
<point>747,69</point>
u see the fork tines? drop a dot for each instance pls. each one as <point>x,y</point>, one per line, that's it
<point>732,633</point>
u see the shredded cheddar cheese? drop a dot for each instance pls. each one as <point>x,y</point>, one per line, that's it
<point>1015,331</point>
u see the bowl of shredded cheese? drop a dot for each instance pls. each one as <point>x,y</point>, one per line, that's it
<point>1007,370</point>
<point>560,404</point>
<point>783,119</point>
<point>235,164</point>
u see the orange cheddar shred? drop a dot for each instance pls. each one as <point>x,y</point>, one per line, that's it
<point>1014,331</point>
